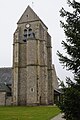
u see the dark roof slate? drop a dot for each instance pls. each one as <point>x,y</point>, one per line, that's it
<point>4,88</point>
<point>6,75</point>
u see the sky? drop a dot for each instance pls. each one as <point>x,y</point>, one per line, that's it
<point>48,11</point>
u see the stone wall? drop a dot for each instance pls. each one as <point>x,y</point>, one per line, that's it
<point>5,100</point>
<point>8,101</point>
<point>54,78</point>
<point>22,83</point>
<point>32,62</point>
<point>2,98</point>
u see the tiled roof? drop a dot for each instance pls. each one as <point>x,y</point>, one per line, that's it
<point>6,75</point>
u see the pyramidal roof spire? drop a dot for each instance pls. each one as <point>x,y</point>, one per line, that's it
<point>28,15</point>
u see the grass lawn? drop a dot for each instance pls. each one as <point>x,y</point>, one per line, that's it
<point>28,113</point>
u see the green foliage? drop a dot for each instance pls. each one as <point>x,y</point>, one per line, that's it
<point>70,102</point>
<point>28,113</point>
<point>72,44</point>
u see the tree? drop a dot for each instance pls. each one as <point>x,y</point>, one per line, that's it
<point>71,99</point>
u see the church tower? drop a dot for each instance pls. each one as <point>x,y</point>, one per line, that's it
<point>32,62</point>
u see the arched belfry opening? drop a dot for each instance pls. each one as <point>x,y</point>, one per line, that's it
<point>28,33</point>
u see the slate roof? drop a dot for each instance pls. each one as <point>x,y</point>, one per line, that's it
<point>4,88</point>
<point>6,75</point>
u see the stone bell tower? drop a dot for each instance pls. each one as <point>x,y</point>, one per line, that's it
<point>32,62</point>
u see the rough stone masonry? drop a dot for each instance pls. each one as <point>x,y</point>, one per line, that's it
<point>33,80</point>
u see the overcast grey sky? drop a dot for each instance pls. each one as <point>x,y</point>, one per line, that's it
<point>47,10</point>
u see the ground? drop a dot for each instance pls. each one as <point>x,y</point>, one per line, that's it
<point>28,113</point>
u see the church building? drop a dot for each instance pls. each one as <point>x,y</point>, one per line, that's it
<point>33,79</point>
